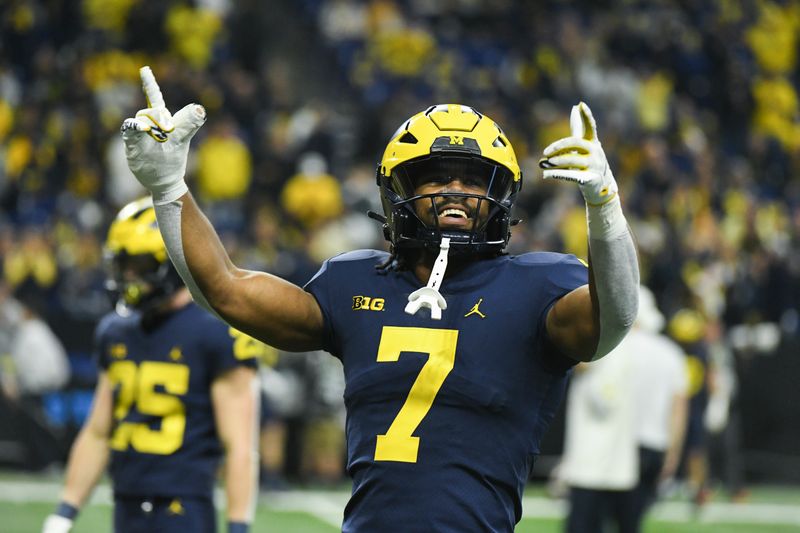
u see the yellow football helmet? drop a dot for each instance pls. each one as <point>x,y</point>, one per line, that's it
<point>687,326</point>
<point>448,141</point>
<point>140,272</point>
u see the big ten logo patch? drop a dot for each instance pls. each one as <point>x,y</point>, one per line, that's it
<point>368,303</point>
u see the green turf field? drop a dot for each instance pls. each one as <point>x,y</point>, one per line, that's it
<point>26,500</point>
<point>27,518</point>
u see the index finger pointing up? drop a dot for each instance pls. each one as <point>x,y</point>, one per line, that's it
<point>576,123</point>
<point>151,89</point>
<point>589,125</point>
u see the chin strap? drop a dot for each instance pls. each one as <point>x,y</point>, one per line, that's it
<point>429,295</point>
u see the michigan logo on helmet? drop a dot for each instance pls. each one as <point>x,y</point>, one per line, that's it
<point>443,144</point>
<point>140,272</point>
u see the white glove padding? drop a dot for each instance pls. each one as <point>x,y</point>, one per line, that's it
<point>157,144</point>
<point>56,524</point>
<point>580,158</point>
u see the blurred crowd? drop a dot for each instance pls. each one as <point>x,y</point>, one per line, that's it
<point>697,106</point>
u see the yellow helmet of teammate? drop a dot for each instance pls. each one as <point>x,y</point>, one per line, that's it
<point>687,326</point>
<point>448,141</point>
<point>140,273</point>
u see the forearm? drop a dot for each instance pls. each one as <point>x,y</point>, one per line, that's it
<point>87,462</point>
<point>241,480</point>
<point>677,434</point>
<point>195,250</point>
<point>614,279</point>
<point>253,302</point>
<point>235,396</point>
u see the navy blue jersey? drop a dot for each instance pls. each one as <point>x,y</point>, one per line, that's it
<point>444,417</point>
<point>164,440</point>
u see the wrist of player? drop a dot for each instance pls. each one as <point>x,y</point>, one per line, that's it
<point>67,510</point>
<point>600,189</point>
<point>604,215</point>
<point>169,191</point>
<point>606,222</point>
<point>238,527</point>
<point>163,178</point>
<point>601,194</point>
<point>61,521</point>
<point>161,173</point>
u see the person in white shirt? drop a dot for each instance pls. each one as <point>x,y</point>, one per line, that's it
<point>600,461</point>
<point>625,423</point>
<point>661,399</point>
<point>33,363</point>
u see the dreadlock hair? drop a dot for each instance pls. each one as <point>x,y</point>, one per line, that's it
<point>395,262</point>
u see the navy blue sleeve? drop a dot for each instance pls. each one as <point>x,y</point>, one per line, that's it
<point>319,287</point>
<point>562,278</point>
<point>100,348</point>
<point>330,287</point>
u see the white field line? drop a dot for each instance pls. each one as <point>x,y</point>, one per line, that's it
<point>328,506</point>
<point>683,512</point>
<point>45,491</point>
<point>729,513</point>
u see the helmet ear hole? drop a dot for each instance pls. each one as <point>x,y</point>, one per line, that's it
<point>498,227</point>
<point>402,224</point>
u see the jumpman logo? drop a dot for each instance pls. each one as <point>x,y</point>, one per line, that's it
<point>176,508</point>
<point>475,310</point>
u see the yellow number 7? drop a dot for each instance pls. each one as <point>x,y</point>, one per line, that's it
<point>398,444</point>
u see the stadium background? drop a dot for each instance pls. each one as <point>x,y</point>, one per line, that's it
<point>697,105</point>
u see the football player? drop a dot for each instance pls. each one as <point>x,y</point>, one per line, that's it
<point>449,386</point>
<point>176,392</point>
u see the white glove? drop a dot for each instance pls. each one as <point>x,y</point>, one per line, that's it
<point>56,524</point>
<point>157,144</point>
<point>580,158</point>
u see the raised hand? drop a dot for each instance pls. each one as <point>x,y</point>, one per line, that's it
<point>580,158</point>
<point>157,143</point>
